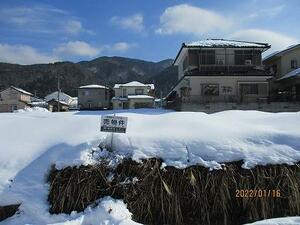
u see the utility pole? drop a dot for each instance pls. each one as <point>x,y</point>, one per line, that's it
<point>161,100</point>
<point>58,92</point>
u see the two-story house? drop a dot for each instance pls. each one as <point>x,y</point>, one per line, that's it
<point>94,96</point>
<point>133,95</point>
<point>285,67</point>
<point>13,98</point>
<point>218,70</point>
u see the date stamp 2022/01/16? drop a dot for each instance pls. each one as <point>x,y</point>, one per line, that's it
<point>257,193</point>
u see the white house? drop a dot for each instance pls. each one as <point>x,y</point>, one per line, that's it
<point>218,70</point>
<point>133,95</point>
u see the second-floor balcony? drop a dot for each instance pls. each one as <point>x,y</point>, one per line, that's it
<point>225,70</point>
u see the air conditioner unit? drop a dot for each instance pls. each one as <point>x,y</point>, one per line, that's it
<point>248,62</point>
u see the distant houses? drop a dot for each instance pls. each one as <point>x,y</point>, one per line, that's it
<point>14,98</point>
<point>61,101</point>
<point>133,95</point>
<point>94,97</point>
<point>213,75</point>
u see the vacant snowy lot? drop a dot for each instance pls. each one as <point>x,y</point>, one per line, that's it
<point>30,142</point>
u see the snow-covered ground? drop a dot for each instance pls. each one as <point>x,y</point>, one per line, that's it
<point>30,142</point>
<point>279,221</point>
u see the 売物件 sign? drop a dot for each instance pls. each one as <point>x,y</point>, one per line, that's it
<point>115,124</point>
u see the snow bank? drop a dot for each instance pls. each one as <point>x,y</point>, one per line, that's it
<point>31,109</point>
<point>31,142</point>
<point>108,212</point>
<point>278,221</point>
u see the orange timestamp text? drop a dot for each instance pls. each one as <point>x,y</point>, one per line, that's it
<point>257,193</point>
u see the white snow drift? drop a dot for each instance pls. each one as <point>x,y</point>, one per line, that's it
<point>31,142</point>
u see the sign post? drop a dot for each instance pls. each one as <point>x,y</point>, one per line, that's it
<point>113,124</point>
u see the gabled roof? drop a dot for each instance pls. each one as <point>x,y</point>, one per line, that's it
<point>62,97</point>
<point>93,86</point>
<point>293,73</point>
<point>21,91</point>
<point>222,43</point>
<point>280,53</point>
<point>134,84</point>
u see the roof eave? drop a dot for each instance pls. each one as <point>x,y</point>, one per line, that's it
<point>178,54</point>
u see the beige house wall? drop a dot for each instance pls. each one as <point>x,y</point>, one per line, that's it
<point>287,58</point>
<point>195,83</point>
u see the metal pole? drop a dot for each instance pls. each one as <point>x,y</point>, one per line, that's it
<point>161,100</point>
<point>112,138</point>
<point>58,92</point>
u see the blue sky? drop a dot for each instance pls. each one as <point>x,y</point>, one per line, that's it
<point>56,30</point>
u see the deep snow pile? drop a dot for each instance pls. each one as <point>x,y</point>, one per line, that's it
<point>279,221</point>
<point>31,142</point>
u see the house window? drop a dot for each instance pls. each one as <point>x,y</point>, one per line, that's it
<point>247,57</point>
<point>86,93</point>
<point>207,57</point>
<point>294,64</point>
<point>14,107</point>
<point>210,89</point>
<point>139,91</point>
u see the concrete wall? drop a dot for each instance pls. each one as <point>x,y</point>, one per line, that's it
<point>93,98</point>
<point>217,107</point>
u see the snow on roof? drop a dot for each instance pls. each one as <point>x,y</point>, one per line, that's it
<point>140,96</point>
<point>134,84</point>
<point>293,73</point>
<point>226,43</point>
<point>61,102</point>
<point>21,90</point>
<point>94,86</point>
<point>279,53</point>
<point>120,98</point>
<point>62,97</point>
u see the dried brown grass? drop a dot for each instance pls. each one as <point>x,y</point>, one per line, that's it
<point>190,196</point>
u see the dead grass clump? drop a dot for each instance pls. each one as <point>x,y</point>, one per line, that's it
<point>8,211</point>
<point>174,196</point>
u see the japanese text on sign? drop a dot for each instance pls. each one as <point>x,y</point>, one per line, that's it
<point>115,124</point>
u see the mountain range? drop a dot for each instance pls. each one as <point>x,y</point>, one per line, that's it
<point>41,79</point>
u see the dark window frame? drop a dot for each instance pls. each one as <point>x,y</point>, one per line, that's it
<point>137,90</point>
<point>294,64</point>
<point>203,91</point>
